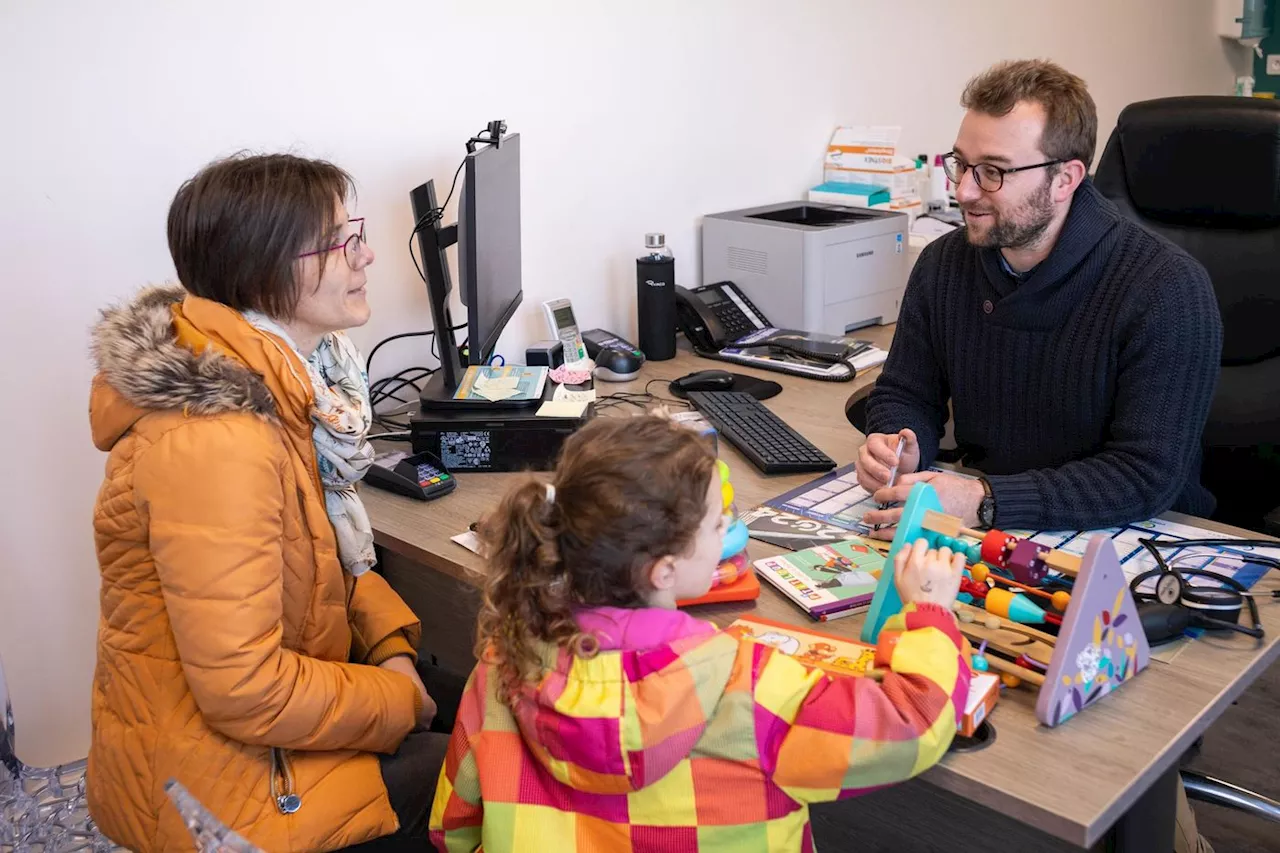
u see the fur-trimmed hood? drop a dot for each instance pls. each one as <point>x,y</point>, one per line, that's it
<point>143,366</point>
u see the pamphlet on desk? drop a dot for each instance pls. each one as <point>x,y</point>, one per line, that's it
<point>721,322</point>
<point>804,354</point>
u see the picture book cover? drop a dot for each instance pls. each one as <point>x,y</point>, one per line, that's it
<point>791,531</point>
<point>825,651</point>
<point>827,581</point>
<point>844,656</point>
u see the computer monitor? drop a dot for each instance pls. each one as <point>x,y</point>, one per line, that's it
<point>489,244</point>
<point>488,237</point>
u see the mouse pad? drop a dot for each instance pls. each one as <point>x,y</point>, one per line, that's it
<point>761,389</point>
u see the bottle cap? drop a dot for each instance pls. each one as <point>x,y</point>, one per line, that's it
<point>654,240</point>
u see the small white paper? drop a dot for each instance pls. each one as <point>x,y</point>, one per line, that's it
<point>491,381</point>
<point>493,394</point>
<point>564,393</point>
<point>562,409</point>
<point>468,540</point>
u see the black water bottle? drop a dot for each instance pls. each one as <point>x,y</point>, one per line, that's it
<point>656,299</point>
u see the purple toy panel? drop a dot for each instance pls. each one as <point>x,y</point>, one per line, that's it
<point>1100,645</point>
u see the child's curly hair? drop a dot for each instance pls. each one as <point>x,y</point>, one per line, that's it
<point>627,491</point>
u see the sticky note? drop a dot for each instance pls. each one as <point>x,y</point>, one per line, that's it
<point>492,381</point>
<point>562,392</point>
<point>562,409</point>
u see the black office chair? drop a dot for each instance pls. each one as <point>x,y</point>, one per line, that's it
<point>1204,172</point>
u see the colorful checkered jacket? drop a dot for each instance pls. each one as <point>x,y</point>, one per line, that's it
<point>677,737</point>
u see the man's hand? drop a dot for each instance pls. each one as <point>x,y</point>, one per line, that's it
<point>924,576</point>
<point>960,497</point>
<point>403,664</point>
<point>879,455</point>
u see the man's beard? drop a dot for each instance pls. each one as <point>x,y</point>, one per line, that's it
<point>1021,228</point>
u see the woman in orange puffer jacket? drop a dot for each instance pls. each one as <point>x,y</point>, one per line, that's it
<point>244,648</point>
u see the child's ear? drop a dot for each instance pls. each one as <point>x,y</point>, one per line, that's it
<point>662,574</point>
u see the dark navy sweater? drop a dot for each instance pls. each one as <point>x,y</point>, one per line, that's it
<point>1081,391</point>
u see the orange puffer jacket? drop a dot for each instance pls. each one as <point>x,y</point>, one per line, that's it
<point>227,623</point>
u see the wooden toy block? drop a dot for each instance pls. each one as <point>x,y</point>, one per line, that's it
<point>946,525</point>
<point>1068,564</point>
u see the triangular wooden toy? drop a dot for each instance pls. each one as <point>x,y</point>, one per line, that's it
<point>1100,644</point>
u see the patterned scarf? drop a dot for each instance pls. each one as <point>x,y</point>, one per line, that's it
<point>342,416</point>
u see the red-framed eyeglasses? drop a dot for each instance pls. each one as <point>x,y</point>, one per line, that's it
<point>351,247</point>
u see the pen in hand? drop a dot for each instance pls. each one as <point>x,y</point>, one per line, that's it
<point>893,472</point>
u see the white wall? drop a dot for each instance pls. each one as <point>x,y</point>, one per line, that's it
<point>634,117</point>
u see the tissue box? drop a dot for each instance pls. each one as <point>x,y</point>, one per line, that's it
<point>850,194</point>
<point>868,155</point>
<point>912,207</point>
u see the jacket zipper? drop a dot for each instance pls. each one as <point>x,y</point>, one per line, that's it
<point>282,791</point>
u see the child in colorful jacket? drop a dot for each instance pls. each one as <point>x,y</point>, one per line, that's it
<point>601,718</point>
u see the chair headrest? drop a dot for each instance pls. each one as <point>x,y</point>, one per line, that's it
<point>1210,160</point>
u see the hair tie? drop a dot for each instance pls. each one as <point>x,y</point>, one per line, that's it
<point>551,493</point>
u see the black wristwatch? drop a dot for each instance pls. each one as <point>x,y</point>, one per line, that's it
<point>986,506</point>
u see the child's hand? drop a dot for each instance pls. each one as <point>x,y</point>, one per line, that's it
<point>925,576</point>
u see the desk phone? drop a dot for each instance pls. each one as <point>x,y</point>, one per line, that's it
<point>715,315</point>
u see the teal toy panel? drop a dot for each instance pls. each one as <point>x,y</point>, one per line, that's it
<point>886,602</point>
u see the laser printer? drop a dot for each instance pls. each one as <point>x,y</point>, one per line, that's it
<point>811,266</point>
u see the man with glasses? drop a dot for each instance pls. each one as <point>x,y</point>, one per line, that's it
<point>1077,352</point>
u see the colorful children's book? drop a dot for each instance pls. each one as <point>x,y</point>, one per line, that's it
<point>827,581</point>
<point>843,656</point>
<point>839,655</point>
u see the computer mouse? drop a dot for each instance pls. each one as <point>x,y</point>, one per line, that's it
<point>703,380</point>
<point>616,365</point>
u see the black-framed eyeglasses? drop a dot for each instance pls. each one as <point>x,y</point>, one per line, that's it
<point>989,177</point>
<point>351,247</point>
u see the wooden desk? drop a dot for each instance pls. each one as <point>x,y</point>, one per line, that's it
<point>1073,782</point>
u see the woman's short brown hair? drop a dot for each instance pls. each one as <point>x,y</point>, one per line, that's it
<point>238,226</point>
<point>1070,117</point>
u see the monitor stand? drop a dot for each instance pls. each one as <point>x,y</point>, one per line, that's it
<point>436,396</point>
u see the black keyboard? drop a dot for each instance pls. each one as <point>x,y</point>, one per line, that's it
<point>762,436</point>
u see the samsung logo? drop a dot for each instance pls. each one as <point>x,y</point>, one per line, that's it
<point>866,254</point>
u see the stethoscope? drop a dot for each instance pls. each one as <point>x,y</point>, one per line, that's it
<point>1216,609</point>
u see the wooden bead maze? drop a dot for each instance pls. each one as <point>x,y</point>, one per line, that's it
<point>1088,641</point>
